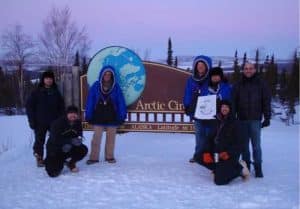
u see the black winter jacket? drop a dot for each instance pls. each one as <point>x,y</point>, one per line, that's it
<point>44,106</point>
<point>61,133</point>
<point>225,138</point>
<point>251,99</point>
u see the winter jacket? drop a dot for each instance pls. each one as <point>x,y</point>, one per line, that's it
<point>223,92</point>
<point>105,108</point>
<point>225,139</point>
<point>195,85</point>
<point>61,133</point>
<point>44,105</point>
<point>251,99</point>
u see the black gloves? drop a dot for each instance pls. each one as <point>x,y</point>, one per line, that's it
<point>265,123</point>
<point>76,141</point>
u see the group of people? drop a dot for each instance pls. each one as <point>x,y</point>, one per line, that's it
<point>105,110</point>
<point>222,143</point>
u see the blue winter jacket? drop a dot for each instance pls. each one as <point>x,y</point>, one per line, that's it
<point>195,85</point>
<point>223,92</point>
<point>115,95</point>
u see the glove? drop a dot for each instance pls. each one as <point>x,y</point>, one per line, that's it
<point>76,141</point>
<point>207,158</point>
<point>265,123</point>
<point>66,148</point>
<point>224,155</point>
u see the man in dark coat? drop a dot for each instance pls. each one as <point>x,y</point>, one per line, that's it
<point>65,142</point>
<point>252,100</point>
<point>44,105</point>
<point>222,151</point>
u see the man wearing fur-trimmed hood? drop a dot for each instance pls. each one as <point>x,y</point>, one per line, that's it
<point>105,109</point>
<point>196,83</point>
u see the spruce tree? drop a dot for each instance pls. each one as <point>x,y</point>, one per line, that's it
<point>236,75</point>
<point>293,88</point>
<point>176,62</point>
<point>220,63</point>
<point>76,61</point>
<point>244,60</point>
<point>257,67</point>
<point>283,86</point>
<point>170,53</point>
<point>271,75</point>
<point>84,66</point>
<point>2,83</point>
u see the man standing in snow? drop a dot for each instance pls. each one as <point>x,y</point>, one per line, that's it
<point>44,105</point>
<point>252,100</point>
<point>65,142</point>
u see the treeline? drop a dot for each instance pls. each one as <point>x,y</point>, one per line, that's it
<point>284,83</point>
<point>9,91</point>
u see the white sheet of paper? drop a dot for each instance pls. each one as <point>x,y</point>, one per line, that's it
<point>206,107</point>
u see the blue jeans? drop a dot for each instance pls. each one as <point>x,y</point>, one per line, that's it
<point>203,132</point>
<point>250,130</point>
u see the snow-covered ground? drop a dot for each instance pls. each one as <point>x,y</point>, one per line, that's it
<point>152,172</point>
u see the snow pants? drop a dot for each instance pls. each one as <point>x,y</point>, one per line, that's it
<point>54,162</point>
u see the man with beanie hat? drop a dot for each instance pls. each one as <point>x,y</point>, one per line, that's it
<point>194,87</point>
<point>65,142</point>
<point>44,105</point>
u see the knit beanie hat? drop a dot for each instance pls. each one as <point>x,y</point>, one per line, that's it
<point>216,71</point>
<point>72,109</point>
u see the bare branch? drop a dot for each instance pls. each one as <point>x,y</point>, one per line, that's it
<point>61,38</point>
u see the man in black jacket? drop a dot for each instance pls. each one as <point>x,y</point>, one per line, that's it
<point>44,105</point>
<point>65,142</point>
<point>252,100</point>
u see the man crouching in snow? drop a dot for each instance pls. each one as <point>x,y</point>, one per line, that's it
<point>65,142</point>
<point>221,154</point>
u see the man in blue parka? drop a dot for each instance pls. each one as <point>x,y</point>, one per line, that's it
<point>197,83</point>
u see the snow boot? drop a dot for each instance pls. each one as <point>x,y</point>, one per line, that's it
<point>90,162</point>
<point>245,173</point>
<point>39,160</point>
<point>110,160</point>
<point>258,170</point>
<point>192,160</point>
<point>72,166</point>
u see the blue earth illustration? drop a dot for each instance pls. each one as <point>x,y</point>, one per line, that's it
<point>130,71</point>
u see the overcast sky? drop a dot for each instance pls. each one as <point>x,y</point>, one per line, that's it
<point>212,27</point>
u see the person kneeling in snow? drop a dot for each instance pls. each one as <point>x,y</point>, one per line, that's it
<point>223,149</point>
<point>65,142</point>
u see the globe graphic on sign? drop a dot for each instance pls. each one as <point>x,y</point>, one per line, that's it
<point>130,71</point>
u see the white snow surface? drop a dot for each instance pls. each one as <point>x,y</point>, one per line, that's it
<point>152,172</point>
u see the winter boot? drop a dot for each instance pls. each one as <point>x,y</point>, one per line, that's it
<point>90,162</point>
<point>258,170</point>
<point>72,166</point>
<point>245,171</point>
<point>111,160</point>
<point>39,160</point>
<point>192,160</point>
